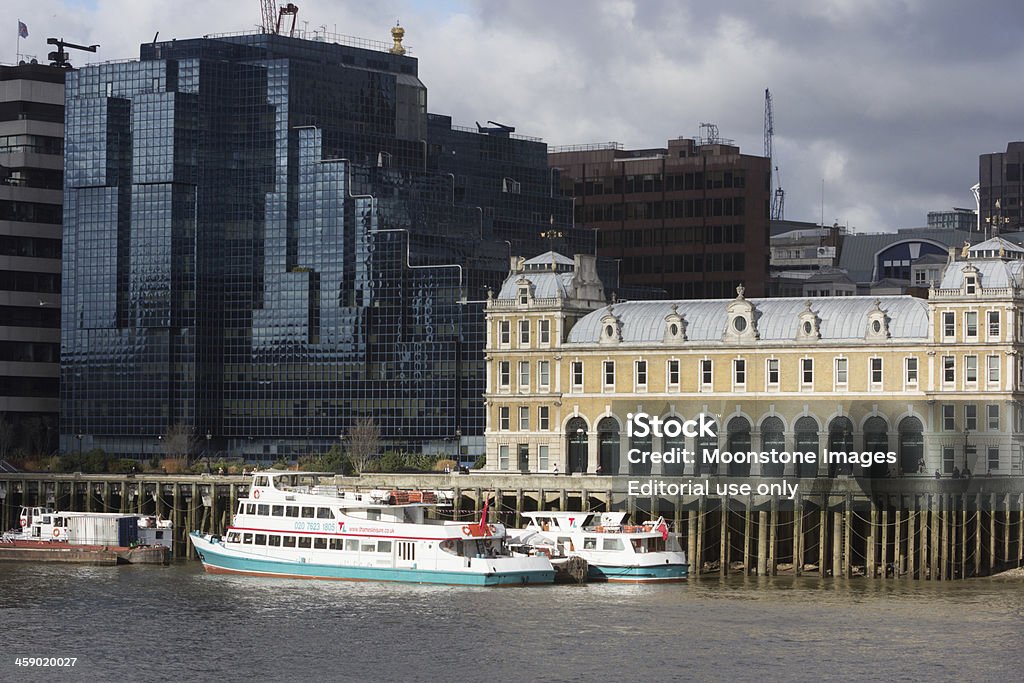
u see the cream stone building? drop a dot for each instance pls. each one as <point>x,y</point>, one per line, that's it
<point>937,382</point>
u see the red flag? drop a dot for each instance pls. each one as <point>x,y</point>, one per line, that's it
<point>663,528</point>
<point>22,30</point>
<point>483,519</point>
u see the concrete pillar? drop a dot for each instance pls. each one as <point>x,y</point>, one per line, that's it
<point>631,507</point>
<point>762,543</point>
<point>822,534</point>
<point>963,536</point>
<point>1020,529</point>
<point>898,558</point>
<point>837,543</point>
<point>798,535</point>
<point>977,534</point>
<point>943,551</point>
<point>1007,525</point>
<point>847,537</point>
<point>677,515</point>
<point>106,496</point>
<point>872,539</point>
<point>701,524</point>
<point>691,538</point>
<point>519,507</point>
<point>773,557</point>
<point>933,514</point>
<point>746,536</point>
<point>477,503</point>
<point>723,548</point>
<point>885,537</point>
<point>912,538</point>
<point>992,559</point>
<point>495,512</point>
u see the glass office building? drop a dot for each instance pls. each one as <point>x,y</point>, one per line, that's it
<point>266,238</point>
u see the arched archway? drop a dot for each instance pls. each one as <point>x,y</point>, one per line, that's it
<point>738,439</point>
<point>840,439</point>
<point>576,442</point>
<point>676,443</point>
<point>911,448</point>
<point>608,445</point>
<point>773,437</point>
<point>706,444</point>
<point>806,441</point>
<point>876,440</point>
<point>642,445</point>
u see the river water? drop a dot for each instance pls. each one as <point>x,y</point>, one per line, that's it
<point>178,623</point>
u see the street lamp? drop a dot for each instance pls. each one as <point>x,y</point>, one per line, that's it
<point>995,221</point>
<point>967,433</point>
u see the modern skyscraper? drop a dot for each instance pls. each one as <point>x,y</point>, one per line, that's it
<point>1001,189</point>
<point>31,145</point>
<point>267,238</point>
<point>691,219</point>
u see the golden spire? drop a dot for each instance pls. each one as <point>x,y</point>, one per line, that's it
<point>397,33</point>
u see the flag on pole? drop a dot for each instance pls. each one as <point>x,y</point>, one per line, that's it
<point>483,520</point>
<point>22,29</point>
<point>662,528</point>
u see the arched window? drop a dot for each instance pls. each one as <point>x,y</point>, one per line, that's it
<point>911,445</point>
<point>608,445</point>
<point>772,436</point>
<point>676,443</point>
<point>576,438</point>
<point>738,432</point>
<point>876,440</point>
<point>641,445</point>
<point>840,439</point>
<point>806,432</point>
<point>706,444</point>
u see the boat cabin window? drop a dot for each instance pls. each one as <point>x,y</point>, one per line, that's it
<point>46,519</point>
<point>639,545</point>
<point>589,543</point>
<point>383,546</point>
<point>292,511</point>
<point>159,535</point>
<point>351,545</point>
<point>241,508</point>
<point>247,538</point>
<point>260,539</point>
<point>308,512</point>
<point>612,544</point>
<point>320,543</point>
<point>277,510</point>
<point>250,508</point>
<point>288,541</point>
<point>373,513</point>
<point>232,537</point>
<point>58,521</point>
<point>274,540</point>
<point>261,481</point>
<point>262,509</point>
<point>305,542</point>
<point>337,544</point>
<point>656,545</point>
<point>324,513</point>
<point>368,547</point>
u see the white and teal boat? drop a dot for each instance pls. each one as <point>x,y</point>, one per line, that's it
<point>615,551</point>
<point>292,526</point>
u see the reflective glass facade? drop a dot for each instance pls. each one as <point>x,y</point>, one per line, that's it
<point>267,238</point>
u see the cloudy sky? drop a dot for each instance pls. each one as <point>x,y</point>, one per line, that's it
<point>881,106</point>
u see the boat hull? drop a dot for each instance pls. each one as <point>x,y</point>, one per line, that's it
<point>218,561</point>
<point>662,573</point>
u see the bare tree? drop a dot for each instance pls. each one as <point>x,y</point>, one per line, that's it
<point>362,443</point>
<point>179,441</point>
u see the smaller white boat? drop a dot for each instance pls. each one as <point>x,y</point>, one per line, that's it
<point>613,549</point>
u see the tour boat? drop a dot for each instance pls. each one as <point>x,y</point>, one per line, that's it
<point>614,550</point>
<point>292,526</point>
<point>48,535</point>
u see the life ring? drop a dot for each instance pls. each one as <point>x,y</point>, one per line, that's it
<point>256,493</point>
<point>23,522</point>
<point>465,531</point>
<point>56,533</point>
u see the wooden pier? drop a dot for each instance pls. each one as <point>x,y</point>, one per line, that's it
<point>912,528</point>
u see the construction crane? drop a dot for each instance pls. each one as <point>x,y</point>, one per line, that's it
<point>272,19</point>
<point>59,57</point>
<point>778,210</point>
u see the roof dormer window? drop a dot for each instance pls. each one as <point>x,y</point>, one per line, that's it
<point>970,284</point>
<point>524,296</point>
